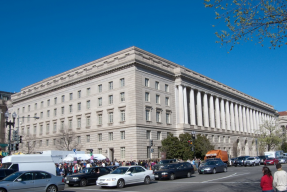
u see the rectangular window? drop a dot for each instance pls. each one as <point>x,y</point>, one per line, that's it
<point>41,115</point>
<point>79,139</point>
<point>100,137</point>
<point>88,121</point>
<point>158,117</point>
<point>62,110</point>
<point>157,99</point>
<point>123,152</point>
<point>111,99</point>
<point>146,82</point>
<point>35,115</point>
<point>166,88</point>
<point>167,118</point>
<point>111,117</point>
<point>111,86</point>
<point>62,125</point>
<point>54,141</point>
<point>55,100</point>
<point>55,112</point>
<point>28,107</point>
<point>42,104</point>
<point>47,128</point>
<point>79,106</point>
<point>100,101</point>
<point>70,108</point>
<point>40,143</point>
<point>146,96</point>
<point>71,96</point>
<point>70,124</point>
<point>123,115</point>
<point>23,119</point>
<point>23,109</point>
<point>28,119</point>
<point>88,104</point>
<point>100,119</point>
<point>123,135</point>
<point>41,129</point>
<point>88,138</point>
<point>47,142</point>
<point>122,96</point>
<point>55,127</point>
<point>63,98</point>
<point>157,85</point>
<point>100,150</point>
<point>100,88</point>
<point>148,152</point>
<point>48,113</point>
<point>158,135</point>
<point>35,106</point>
<point>148,134</point>
<point>28,131</point>
<point>48,102</point>
<point>122,80</point>
<point>79,123</point>
<point>167,101</point>
<point>35,130</point>
<point>111,136</point>
<point>79,94</point>
<point>88,91</point>
<point>147,115</point>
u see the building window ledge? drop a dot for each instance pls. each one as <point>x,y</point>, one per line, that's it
<point>78,128</point>
<point>122,122</point>
<point>88,127</point>
<point>110,124</point>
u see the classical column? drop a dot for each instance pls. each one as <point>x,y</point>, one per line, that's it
<point>176,105</point>
<point>236,117</point>
<point>244,118</point>
<point>232,116</point>
<point>260,118</point>
<point>251,121</point>
<point>227,115</point>
<point>257,120</point>
<point>222,114</point>
<point>199,109</point>
<point>211,111</point>
<point>205,112</point>
<point>240,119</point>
<point>192,107</point>
<point>185,105</point>
<point>217,113</point>
<point>247,120</point>
<point>254,121</point>
<point>180,104</point>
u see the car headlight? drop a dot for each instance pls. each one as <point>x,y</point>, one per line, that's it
<point>66,178</point>
<point>164,173</point>
<point>208,168</point>
<point>75,178</point>
<point>112,179</point>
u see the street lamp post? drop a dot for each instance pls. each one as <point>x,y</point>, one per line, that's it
<point>14,115</point>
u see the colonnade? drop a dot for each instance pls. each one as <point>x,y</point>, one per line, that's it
<point>200,108</point>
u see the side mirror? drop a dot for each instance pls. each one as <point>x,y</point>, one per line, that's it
<point>128,173</point>
<point>19,179</point>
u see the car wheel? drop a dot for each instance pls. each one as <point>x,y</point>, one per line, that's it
<point>2,190</point>
<point>52,188</point>
<point>214,171</point>
<point>83,182</point>
<point>225,169</point>
<point>121,183</point>
<point>146,180</point>
<point>71,185</point>
<point>235,165</point>
<point>171,177</point>
<point>188,175</point>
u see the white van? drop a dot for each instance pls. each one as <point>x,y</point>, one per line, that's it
<point>29,162</point>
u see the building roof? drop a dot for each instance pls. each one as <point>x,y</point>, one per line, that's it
<point>283,113</point>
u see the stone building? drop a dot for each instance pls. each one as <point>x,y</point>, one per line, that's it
<point>282,122</point>
<point>118,103</point>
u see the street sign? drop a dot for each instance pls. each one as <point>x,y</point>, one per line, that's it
<point>74,150</point>
<point>4,154</point>
<point>151,150</point>
<point>3,145</point>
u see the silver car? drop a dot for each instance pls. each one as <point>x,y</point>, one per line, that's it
<point>32,181</point>
<point>252,161</point>
<point>282,160</point>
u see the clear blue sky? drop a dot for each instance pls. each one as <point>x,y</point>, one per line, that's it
<point>39,39</point>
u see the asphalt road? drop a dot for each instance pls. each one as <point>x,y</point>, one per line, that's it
<point>235,179</point>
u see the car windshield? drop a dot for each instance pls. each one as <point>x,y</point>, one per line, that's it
<point>120,170</point>
<point>164,162</point>
<point>270,159</point>
<point>86,170</point>
<point>250,158</point>
<point>12,177</point>
<point>168,167</point>
<point>5,165</point>
<point>210,162</point>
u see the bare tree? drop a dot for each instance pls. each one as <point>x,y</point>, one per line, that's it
<point>29,144</point>
<point>67,140</point>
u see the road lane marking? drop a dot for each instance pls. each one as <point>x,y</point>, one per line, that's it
<point>101,190</point>
<point>233,175</point>
<point>213,182</point>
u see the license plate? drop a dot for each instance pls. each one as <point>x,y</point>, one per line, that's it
<point>156,176</point>
<point>202,170</point>
<point>67,181</point>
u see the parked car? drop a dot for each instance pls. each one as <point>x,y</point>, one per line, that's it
<point>162,163</point>
<point>174,170</point>
<point>33,180</point>
<point>252,161</point>
<point>271,161</point>
<point>262,159</point>
<point>282,160</point>
<point>5,172</point>
<point>126,175</point>
<point>86,176</point>
<point>232,160</point>
<point>112,167</point>
<point>240,160</point>
<point>212,167</point>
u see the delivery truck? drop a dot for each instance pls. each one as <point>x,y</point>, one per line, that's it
<point>217,154</point>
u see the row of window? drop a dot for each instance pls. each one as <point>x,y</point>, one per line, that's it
<point>79,95</point>
<point>157,85</point>
<point>149,136</point>
<point>157,99</point>
<point>158,115</point>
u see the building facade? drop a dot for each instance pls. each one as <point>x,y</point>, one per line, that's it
<point>4,97</point>
<point>118,103</point>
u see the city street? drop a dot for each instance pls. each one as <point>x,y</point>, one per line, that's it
<point>235,179</point>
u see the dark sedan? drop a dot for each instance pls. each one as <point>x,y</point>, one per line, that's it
<point>240,160</point>
<point>162,163</point>
<point>174,170</point>
<point>212,167</point>
<point>262,159</point>
<point>5,172</point>
<point>87,176</point>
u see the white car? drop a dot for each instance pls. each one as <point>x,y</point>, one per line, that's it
<point>126,175</point>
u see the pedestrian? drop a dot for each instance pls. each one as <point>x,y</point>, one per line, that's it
<point>266,180</point>
<point>280,179</point>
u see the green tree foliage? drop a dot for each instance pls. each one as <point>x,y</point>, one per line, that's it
<point>269,135</point>
<point>178,147</point>
<point>202,145</point>
<point>284,147</point>
<point>251,19</point>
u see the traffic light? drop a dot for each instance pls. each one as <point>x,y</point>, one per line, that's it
<point>91,152</point>
<point>16,147</point>
<point>20,139</point>
<point>190,142</point>
<point>151,142</point>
